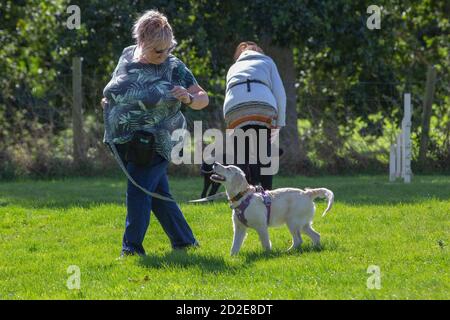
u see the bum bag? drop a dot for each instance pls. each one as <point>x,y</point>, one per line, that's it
<point>140,149</point>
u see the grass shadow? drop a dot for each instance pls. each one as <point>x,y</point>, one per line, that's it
<point>308,248</point>
<point>90,192</point>
<point>63,194</point>
<point>187,259</point>
<point>81,192</point>
<point>376,190</point>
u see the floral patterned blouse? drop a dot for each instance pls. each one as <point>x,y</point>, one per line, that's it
<point>139,98</point>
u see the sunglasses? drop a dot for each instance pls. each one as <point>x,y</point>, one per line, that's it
<point>168,50</point>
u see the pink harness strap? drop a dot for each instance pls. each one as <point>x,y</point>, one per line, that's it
<point>240,209</point>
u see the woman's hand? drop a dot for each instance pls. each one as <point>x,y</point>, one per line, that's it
<point>181,94</point>
<point>195,97</point>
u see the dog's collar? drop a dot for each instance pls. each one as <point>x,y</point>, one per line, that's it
<point>241,194</point>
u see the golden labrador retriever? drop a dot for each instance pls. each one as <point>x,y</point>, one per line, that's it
<point>258,209</point>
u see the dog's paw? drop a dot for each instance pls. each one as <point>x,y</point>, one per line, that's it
<point>317,247</point>
<point>293,249</point>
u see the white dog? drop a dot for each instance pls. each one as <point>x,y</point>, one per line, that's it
<point>252,208</point>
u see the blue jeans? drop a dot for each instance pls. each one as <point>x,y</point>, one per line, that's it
<point>153,178</point>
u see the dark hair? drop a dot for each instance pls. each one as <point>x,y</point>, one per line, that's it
<point>246,45</point>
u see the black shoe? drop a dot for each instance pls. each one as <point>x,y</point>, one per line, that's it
<point>187,246</point>
<point>126,253</point>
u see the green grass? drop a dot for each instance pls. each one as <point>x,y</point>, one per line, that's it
<point>47,226</point>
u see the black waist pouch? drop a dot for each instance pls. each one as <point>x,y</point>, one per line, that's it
<point>140,150</point>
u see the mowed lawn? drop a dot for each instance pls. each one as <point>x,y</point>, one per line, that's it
<point>48,226</point>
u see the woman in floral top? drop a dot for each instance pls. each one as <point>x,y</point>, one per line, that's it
<point>145,94</point>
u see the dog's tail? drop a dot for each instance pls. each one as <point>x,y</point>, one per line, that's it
<point>322,193</point>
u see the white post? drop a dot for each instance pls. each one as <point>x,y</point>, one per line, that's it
<point>392,163</point>
<point>398,156</point>
<point>403,161</point>
<point>406,132</point>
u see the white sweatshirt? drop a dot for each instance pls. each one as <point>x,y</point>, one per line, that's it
<point>256,66</point>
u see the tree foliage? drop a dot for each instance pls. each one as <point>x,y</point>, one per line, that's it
<point>348,78</point>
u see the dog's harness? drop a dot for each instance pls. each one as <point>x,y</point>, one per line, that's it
<point>240,209</point>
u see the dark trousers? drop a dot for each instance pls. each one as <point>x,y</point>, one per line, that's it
<point>153,178</point>
<point>253,171</point>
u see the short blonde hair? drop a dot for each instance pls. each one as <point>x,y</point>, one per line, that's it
<point>152,30</point>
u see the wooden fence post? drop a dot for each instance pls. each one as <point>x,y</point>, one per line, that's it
<point>427,103</point>
<point>79,150</point>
